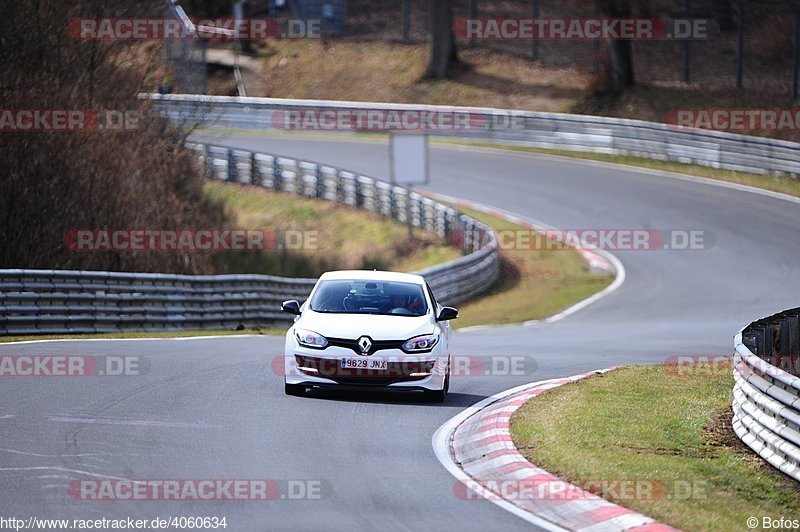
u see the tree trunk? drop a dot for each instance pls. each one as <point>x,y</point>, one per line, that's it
<point>443,53</point>
<point>621,62</point>
<point>620,52</point>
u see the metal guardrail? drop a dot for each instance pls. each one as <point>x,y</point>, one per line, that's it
<point>63,301</point>
<point>542,130</point>
<point>766,392</point>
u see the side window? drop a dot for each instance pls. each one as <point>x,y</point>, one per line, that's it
<point>433,299</point>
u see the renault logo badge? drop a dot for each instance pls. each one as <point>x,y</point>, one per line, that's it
<point>364,343</point>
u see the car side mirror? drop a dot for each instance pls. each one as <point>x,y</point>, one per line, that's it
<point>291,306</point>
<point>447,313</point>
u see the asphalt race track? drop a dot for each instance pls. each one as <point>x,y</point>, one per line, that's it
<point>215,409</point>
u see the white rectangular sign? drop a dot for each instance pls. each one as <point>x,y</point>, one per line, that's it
<point>408,155</point>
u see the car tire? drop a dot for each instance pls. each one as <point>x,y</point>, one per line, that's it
<point>298,390</point>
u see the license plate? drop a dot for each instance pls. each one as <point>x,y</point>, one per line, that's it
<point>364,363</point>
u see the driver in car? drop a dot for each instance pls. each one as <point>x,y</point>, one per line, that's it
<point>400,301</point>
<point>397,301</point>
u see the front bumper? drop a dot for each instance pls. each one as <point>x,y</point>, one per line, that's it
<point>322,368</point>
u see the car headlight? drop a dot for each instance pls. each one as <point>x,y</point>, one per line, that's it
<point>310,339</point>
<point>420,343</point>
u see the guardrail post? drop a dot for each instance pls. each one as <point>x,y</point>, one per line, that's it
<point>759,341</point>
<point>232,173</point>
<point>444,223</point>
<point>358,192</point>
<point>373,194</point>
<point>276,174</point>
<point>469,233</point>
<point>319,182</point>
<point>394,212</point>
<point>208,162</point>
<point>784,349</point>
<point>255,176</point>
<point>297,181</point>
<point>453,230</point>
<point>769,338</point>
<point>338,193</point>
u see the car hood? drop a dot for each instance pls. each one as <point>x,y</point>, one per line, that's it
<point>353,326</point>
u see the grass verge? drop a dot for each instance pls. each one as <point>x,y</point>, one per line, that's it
<point>533,284</point>
<point>328,236</point>
<point>666,429</point>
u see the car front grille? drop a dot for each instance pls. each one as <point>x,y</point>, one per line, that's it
<point>377,345</point>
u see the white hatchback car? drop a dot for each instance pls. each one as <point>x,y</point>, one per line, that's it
<point>369,329</point>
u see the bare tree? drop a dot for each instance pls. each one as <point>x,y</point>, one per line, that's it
<point>443,51</point>
<point>54,182</point>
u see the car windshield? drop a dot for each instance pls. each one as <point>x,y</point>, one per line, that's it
<point>353,296</point>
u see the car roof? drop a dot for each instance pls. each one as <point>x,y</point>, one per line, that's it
<point>373,275</point>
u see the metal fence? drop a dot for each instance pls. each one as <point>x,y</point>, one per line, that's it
<point>541,130</point>
<point>186,57</point>
<point>758,46</point>
<point>63,301</point>
<point>766,393</point>
<point>754,48</point>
